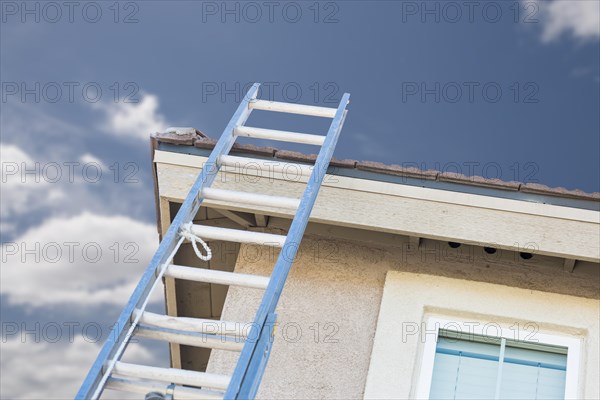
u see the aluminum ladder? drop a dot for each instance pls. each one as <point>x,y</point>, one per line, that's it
<point>108,372</point>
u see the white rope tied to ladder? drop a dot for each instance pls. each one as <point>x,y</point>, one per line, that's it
<point>186,232</point>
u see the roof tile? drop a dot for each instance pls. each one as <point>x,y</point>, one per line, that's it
<point>398,170</point>
<point>474,180</point>
<point>187,137</point>
<point>311,158</point>
<point>208,143</point>
<point>205,143</point>
<point>256,150</point>
<point>536,188</point>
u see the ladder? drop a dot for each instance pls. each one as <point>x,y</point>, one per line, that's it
<point>172,383</point>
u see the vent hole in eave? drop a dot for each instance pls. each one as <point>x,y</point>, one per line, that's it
<point>454,245</point>
<point>489,250</point>
<point>525,256</point>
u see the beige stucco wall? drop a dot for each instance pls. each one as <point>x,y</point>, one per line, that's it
<point>335,288</point>
<point>333,283</point>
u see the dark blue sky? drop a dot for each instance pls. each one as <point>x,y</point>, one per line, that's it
<point>501,89</point>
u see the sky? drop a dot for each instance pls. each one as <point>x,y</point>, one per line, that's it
<point>500,89</point>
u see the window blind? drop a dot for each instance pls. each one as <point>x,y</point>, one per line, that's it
<point>478,369</point>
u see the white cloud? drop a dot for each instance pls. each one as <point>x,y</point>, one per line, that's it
<point>83,260</point>
<point>13,153</point>
<point>88,158</point>
<point>12,159</point>
<point>23,191</point>
<point>579,18</point>
<point>44,370</point>
<point>133,120</point>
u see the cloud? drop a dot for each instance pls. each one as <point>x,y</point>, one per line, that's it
<point>88,158</point>
<point>41,370</point>
<point>31,127</point>
<point>13,153</point>
<point>133,120</point>
<point>23,191</point>
<point>578,18</point>
<point>82,260</point>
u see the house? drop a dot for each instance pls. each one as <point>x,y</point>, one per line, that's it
<point>407,283</point>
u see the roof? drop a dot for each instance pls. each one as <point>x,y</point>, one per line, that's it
<point>189,139</point>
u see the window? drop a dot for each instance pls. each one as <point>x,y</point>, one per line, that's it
<point>416,307</point>
<point>470,363</point>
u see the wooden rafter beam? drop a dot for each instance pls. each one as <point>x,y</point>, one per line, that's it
<point>238,218</point>
<point>261,220</point>
<point>569,264</point>
<point>414,242</point>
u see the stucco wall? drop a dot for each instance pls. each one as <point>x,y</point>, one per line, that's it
<point>329,310</point>
<point>336,285</point>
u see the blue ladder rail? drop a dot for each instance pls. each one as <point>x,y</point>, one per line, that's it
<point>253,359</point>
<point>252,362</point>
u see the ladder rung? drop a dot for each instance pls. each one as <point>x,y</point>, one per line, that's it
<point>199,325</point>
<point>218,277</point>
<point>292,108</point>
<point>172,375</point>
<point>190,339</point>
<point>179,392</point>
<point>282,136</point>
<point>250,198</point>
<point>268,166</point>
<point>236,235</point>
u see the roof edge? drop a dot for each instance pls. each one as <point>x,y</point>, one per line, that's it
<point>409,175</point>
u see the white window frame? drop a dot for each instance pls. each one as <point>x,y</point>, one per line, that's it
<point>434,324</point>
